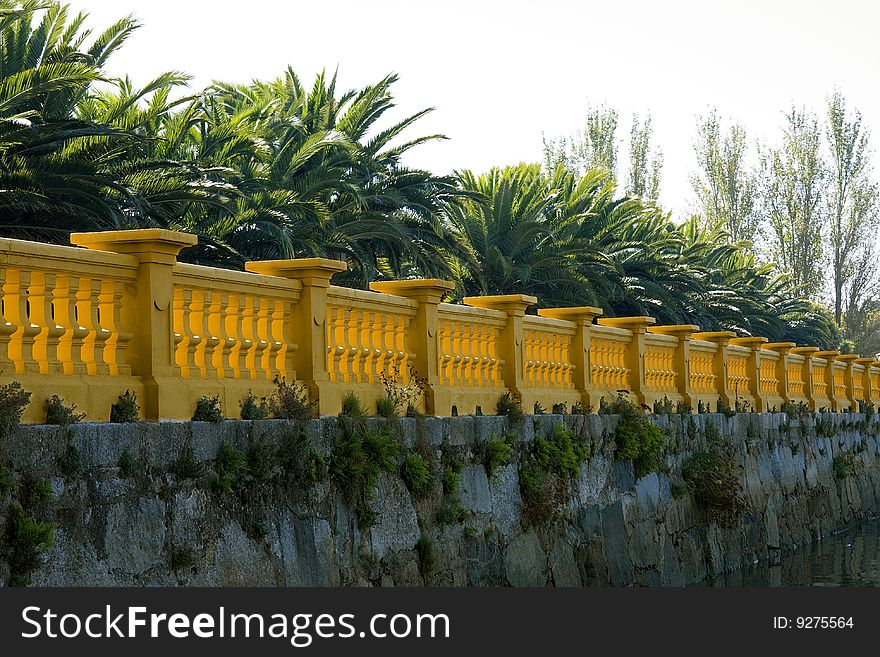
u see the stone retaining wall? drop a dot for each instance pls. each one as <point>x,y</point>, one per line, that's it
<point>155,528</point>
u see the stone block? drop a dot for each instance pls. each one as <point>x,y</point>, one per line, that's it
<point>134,535</point>
<point>459,430</point>
<point>487,427</point>
<point>506,500</point>
<point>525,562</point>
<point>474,490</point>
<point>397,527</point>
<point>620,567</point>
<point>563,567</point>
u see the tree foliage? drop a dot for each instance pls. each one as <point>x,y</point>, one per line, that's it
<point>851,207</point>
<point>725,185</point>
<point>795,175</point>
<point>645,161</point>
<point>595,147</point>
<point>282,169</point>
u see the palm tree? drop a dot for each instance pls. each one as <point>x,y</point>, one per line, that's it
<point>522,237</point>
<point>74,159</point>
<point>315,177</point>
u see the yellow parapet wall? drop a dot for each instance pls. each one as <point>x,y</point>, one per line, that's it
<point>121,313</point>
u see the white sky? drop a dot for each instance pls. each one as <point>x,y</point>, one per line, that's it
<point>501,73</point>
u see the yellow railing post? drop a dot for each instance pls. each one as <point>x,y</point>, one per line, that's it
<point>147,315</point>
<point>754,344</point>
<point>423,334</point>
<point>828,376</point>
<point>782,348</point>
<point>722,339</point>
<point>635,352</point>
<point>682,363</point>
<point>307,327</point>
<point>874,378</point>
<point>583,317</point>
<point>510,342</point>
<point>850,400</point>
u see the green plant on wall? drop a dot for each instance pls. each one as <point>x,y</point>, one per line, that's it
<point>57,412</point>
<point>290,401</point>
<point>208,410</point>
<point>663,406</point>
<point>385,407</point>
<point>13,401</point>
<point>402,396</point>
<point>844,465</point>
<point>546,467</point>
<point>825,427</point>
<point>359,456</point>
<point>496,452</point>
<point>127,464</point>
<point>301,464</point>
<point>27,540</point>
<point>425,551</point>
<point>70,463</point>
<point>511,407</point>
<point>27,535</point>
<point>125,409</point>
<point>636,439</point>
<point>712,476</point>
<point>230,465</point>
<point>253,408</point>
<point>187,466</point>
<point>450,510</point>
<point>416,474</point>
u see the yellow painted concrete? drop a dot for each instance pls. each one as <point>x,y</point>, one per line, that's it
<point>121,314</point>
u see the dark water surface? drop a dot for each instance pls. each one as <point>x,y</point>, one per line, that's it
<point>850,558</point>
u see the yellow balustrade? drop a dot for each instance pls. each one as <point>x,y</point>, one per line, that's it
<point>548,370</point>
<point>634,356</point>
<point>822,391</point>
<point>775,374</point>
<point>63,331</point>
<point>609,369</point>
<point>738,381</point>
<point>751,392</point>
<point>858,381</point>
<point>509,341</point>
<point>720,339</point>
<point>870,386</point>
<point>843,382</point>
<point>797,385</point>
<point>673,369</point>
<point>423,338</point>
<point>121,313</point>
<point>769,384</point>
<point>838,372</point>
<point>367,342</point>
<point>468,347</point>
<point>580,352</point>
<point>703,375</point>
<point>661,377</point>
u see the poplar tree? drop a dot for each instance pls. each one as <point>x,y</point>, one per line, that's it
<point>645,162</point>
<point>794,179</point>
<point>851,206</point>
<point>725,184</point>
<point>595,147</point>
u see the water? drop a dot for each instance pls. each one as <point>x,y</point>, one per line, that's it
<point>850,558</point>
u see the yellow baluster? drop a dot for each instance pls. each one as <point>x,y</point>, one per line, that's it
<point>41,313</point>
<point>110,304</point>
<point>70,344</point>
